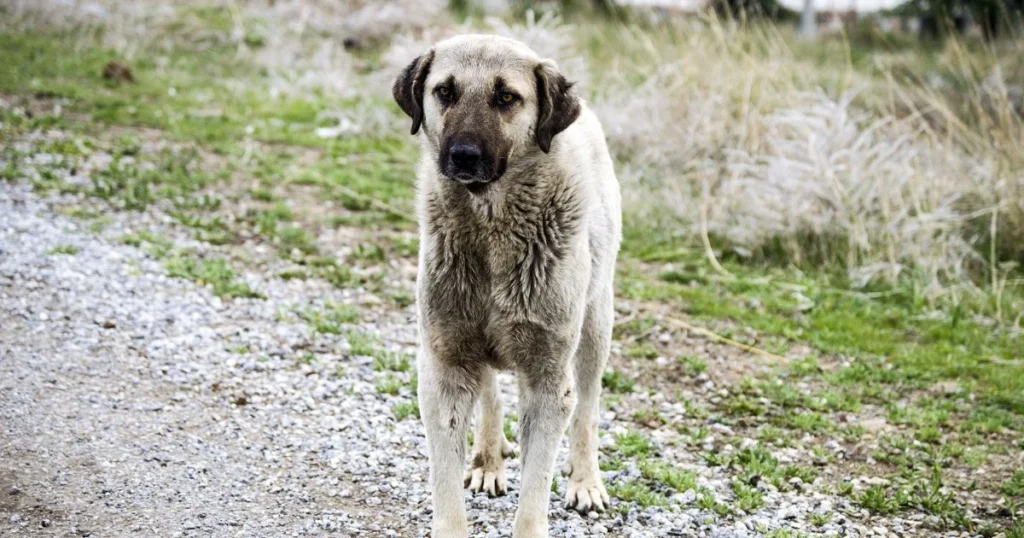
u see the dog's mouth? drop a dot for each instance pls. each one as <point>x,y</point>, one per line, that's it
<point>478,180</point>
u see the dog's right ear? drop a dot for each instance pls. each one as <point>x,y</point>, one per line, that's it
<point>408,88</point>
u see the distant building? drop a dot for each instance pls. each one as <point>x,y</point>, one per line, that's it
<point>835,21</point>
<point>669,6</point>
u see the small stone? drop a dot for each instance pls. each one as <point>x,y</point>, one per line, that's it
<point>592,514</point>
<point>16,518</point>
<point>14,490</point>
<point>45,523</point>
<point>873,425</point>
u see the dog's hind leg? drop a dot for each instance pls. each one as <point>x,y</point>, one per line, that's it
<point>446,395</point>
<point>490,448</point>
<point>585,491</point>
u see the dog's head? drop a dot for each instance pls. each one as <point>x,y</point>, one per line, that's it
<point>482,101</point>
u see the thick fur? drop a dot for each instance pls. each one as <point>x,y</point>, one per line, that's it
<point>515,275</point>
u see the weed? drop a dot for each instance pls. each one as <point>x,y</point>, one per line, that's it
<point>706,501</point>
<point>370,253</point>
<point>678,479</point>
<point>615,381</point>
<point>748,498</point>
<point>636,492</point>
<point>331,319</point>
<point>391,361</point>
<point>405,410</point>
<point>508,426</point>
<point>845,489</point>
<point>877,500</point>
<point>295,239</point>
<point>216,273</point>
<point>389,385</point>
<point>1014,487</point>
<point>820,519</point>
<point>69,250</point>
<point>632,444</point>
<point>361,344</point>
<point>156,245</point>
<point>693,366</point>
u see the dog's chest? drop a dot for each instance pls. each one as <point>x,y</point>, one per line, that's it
<point>498,266</point>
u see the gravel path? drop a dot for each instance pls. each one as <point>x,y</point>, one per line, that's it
<point>135,404</point>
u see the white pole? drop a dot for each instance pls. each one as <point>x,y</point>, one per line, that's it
<point>808,26</point>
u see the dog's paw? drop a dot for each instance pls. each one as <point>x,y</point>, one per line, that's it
<point>506,448</point>
<point>487,473</point>
<point>586,494</point>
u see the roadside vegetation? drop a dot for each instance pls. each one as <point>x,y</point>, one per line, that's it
<point>845,218</point>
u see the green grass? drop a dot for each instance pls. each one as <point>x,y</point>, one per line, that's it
<point>405,410</point>
<point>156,245</point>
<point>68,250</point>
<point>786,533</point>
<point>216,273</point>
<point>919,349</point>
<point>392,361</point>
<point>706,501</point>
<point>879,501</point>
<point>615,381</point>
<point>896,344</point>
<point>633,445</point>
<point>638,493</point>
<point>748,498</point>
<point>331,319</point>
<point>1014,487</point>
<point>389,385</point>
<point>820,519</point>
<point>669,475</point>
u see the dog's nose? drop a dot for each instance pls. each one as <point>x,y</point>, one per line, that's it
<point>465,155</point>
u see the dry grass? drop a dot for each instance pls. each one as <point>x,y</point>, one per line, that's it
<point>910,170</point>
<point>875,171</point>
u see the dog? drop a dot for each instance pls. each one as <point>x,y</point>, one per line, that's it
<point>520,226</point>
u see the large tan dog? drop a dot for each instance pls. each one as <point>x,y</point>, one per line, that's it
<point>519,229</point>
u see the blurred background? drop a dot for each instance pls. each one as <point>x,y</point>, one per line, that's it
<point>875,140</point>
<point>837,183</point>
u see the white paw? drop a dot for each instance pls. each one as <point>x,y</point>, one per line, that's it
<point>487,472</point>
<point>586,494</point>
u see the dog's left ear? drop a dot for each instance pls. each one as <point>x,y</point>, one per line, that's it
<point>408,88</point>
<point>557,103</point>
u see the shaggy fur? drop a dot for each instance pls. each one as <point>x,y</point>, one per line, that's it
<point>517,256</point>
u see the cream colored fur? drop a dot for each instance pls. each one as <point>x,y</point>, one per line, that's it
<point>517,277</point>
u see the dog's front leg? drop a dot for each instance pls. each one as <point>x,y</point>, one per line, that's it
<point>446,394</point>
<point>547,398</point>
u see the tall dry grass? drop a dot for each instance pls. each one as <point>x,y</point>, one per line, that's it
<point>887,172</point>
<point>909,169</point>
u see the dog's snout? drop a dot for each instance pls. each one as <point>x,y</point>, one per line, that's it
<point>465,155</point>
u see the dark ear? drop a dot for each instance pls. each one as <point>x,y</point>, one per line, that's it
<point>408,88</point>
<point>557,104</point>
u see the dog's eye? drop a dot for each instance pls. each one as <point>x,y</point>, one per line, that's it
<point>445,94</point>
<point>507,98</point>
